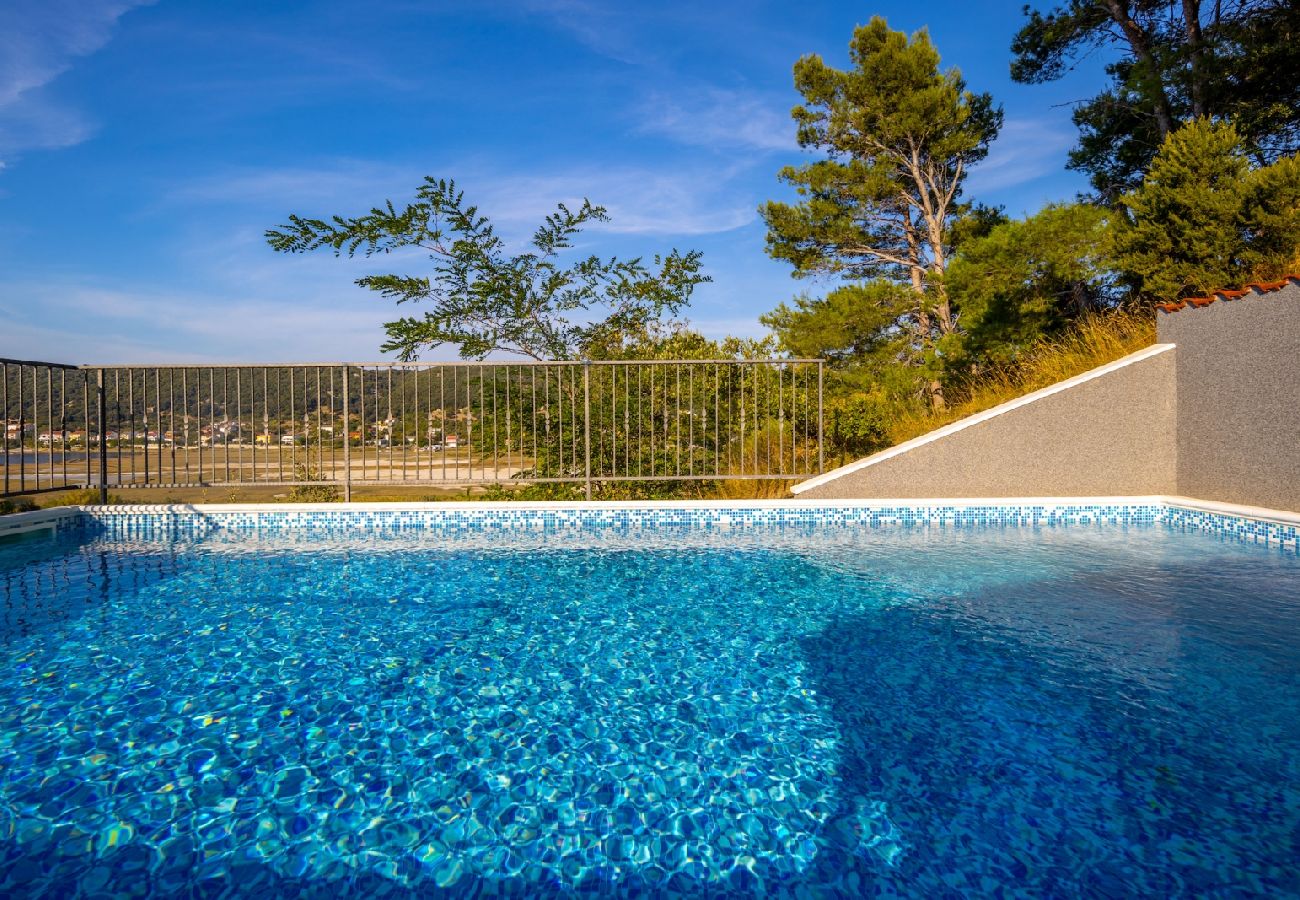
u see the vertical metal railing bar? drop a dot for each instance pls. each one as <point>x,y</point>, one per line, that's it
<point>496,475</point>
<point>388,422</point>
<point>347,437</point>
<point>364,432</point>
<point>266,421</point>
<point>22,433</point>
<point>278,395</point>
<point>744,421</point>
<point>374,427</point>
<point>618,440</point>
<point>455,411</point>
<point>640,427</point>
<point>294,429</point>
<point>573,420</point>
<point>821,424</point>
<point>586,423</point>
<point>473,436</point>
<point>36,426</point>
<point>654,427</point>
<point>678,427</point>
<point>532,377</point>
<point>690,441</point>
<point>117,423</point>
<point>239,428</point>
<point>49,430</point>
<point>511,468</point>
<point>85,417</point>
<point>64,439</point>
<point>666,418</point>
<point>185,423</point>
<point>559,428</point>
<point>130,405</point>
<point>212,427</point>
<point>806,418</point>
<point>334,429</point>
<point>44,438</point>
<point>253,426</point>
<point>171,421</point>
<point>769,406</point>
<point>595,422</point>
<point>421,425</point>
<point>8,483</point>
<point>780,418</point>
<point>49,427</point>
<point>101,416</point>
<point>157,414</point>
<point>402,417</point>
<point>717,420</point>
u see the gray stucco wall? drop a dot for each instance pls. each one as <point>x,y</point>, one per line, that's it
<point>1111,435</point>
<point>1238,370</point>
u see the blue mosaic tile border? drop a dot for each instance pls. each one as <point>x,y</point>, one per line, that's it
<point>161,521</point>
<point>1257,531</point>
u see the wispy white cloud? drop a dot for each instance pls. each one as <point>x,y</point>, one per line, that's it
<point>1025,151</point>
<point>719,118</point>
<point>640,199</point>
<point>610,31</point>
<point>39,41</point>
<point>149,324</point>
<point>345,181</point>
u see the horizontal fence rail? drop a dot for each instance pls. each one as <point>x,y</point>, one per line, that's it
<point>341,425</point>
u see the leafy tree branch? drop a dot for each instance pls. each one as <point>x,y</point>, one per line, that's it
<point>485,299</point>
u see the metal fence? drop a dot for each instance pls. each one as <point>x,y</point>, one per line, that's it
<point>347,424</point>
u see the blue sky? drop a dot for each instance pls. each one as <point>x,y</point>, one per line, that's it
<point>146,147</point>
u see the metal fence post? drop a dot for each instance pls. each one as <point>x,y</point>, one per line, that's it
<point>102,403</point>
<point>347,441</point>
<point>586,419</point>
<point>821,425</point>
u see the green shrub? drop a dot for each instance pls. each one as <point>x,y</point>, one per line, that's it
<point>311,493</point>
<point>16,505</point>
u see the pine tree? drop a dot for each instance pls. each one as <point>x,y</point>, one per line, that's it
<point>1203,219</point>
<point>900,136</point>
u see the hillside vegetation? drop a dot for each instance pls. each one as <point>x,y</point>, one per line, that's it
<point>1091,342</point>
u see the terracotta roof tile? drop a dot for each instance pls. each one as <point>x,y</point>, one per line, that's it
<point>1255,288</point>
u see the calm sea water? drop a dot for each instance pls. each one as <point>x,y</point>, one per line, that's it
<point>840,712</point>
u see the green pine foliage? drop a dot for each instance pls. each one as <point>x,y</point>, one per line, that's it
<point>899,136</point>
<point>1204,218</point>
<point>1170,64</point>
<point>1026,280</point>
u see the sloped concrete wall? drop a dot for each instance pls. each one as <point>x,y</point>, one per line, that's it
<point>1238,373</point>
<point>1107,432</point>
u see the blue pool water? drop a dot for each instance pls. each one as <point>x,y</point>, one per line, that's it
<point>1101,711</point>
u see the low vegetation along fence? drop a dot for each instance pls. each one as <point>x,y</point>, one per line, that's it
<point>350,424</point>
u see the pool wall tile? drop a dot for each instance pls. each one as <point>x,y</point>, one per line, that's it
<point>1260,531</point>
<point>147,521</point>
<point>136,522</point>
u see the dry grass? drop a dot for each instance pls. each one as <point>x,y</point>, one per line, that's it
<point>1092,342</point>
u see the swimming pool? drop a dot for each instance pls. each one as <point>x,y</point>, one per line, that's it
<point>813,706</point>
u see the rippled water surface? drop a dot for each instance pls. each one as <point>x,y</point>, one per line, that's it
<point>838,712</point>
